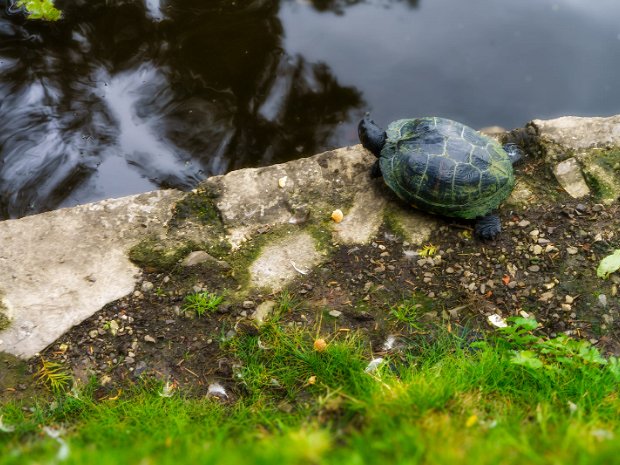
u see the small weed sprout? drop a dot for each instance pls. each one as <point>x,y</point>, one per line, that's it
<point>53,375</point>
<point>428,250</point>
<point>202,302</point>
<point>408,313</point>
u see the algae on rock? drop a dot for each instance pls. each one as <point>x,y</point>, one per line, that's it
<point>602,171</point>
<point>5,321</point>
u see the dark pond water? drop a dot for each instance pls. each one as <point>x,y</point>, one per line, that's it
<point>126,96</point>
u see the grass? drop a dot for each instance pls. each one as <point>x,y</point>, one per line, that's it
<point>409,312</point>
<point>202,302</point>
<point>444,402</point>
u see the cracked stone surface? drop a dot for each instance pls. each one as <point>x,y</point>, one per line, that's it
<point>363,220</point>
<point>580,133</point>
<point>60,267</point>
<point>568,173</point>
<point>252,197</point>
<point>282,261</point>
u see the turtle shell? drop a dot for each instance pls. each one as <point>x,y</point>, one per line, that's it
<point>445,167</point>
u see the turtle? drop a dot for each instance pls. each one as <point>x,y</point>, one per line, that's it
<point>443,167</point>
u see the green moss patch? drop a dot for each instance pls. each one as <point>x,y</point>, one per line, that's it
<point>602,171</point>
<point>198,205</point>
<point>5,322</point>
<point>391,222</point>
<point>152,253</point>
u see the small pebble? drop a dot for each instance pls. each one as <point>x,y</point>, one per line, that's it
<point>335,313</point>
<point>546,296</point>
<point>524,223</point>
<point>534,268</point>
<point>148,338</point>
<point>247,304</point>
<point>572,250</point>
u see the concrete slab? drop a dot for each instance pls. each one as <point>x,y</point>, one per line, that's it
<point>281,262</point>
<point>580,133</point>
<point>60,267</point>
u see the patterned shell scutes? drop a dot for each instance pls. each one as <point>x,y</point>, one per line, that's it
<point>445,167</point>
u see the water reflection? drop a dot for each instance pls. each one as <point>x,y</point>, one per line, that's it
<point>122,97</point>
<point>339,6</point>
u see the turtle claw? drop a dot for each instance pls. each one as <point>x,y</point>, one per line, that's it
<point>488,227</point>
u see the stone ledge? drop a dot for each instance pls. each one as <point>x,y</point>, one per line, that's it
<point>60,267</point>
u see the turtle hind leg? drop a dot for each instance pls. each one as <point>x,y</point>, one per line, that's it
<point>488,227</point>
<point>375,171</point>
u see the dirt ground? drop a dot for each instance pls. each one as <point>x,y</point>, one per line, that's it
<point>544,263</point>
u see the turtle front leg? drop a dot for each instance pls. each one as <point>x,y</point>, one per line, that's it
<point>488,227</point>
<point>515,154</point>
<point>375,171</point>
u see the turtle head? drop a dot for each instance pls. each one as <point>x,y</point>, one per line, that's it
<point>371,136</point>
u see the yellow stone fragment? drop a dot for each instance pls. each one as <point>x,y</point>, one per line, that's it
<point>337,215</point>
<point>320,345</point>
<point>282,181</point>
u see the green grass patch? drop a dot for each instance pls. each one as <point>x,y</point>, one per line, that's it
<point>201,303</point>
<point>409,312</point>
<point>446,402</point>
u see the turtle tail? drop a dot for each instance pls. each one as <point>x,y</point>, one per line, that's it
<point>371,136</point>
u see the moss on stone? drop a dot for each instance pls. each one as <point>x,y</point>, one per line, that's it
<point>241,259</point>
<point>600,189</point>
<point>152,253</point>
<point>5,321</point>
<point>323,236</point>
<point>391,222</point>
<point>198,205</point>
